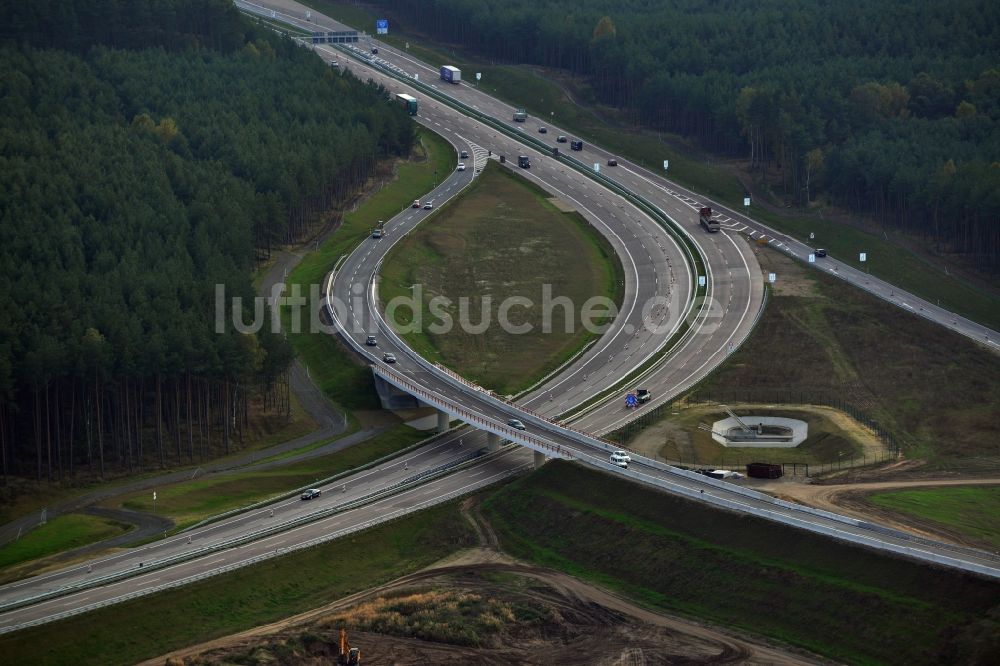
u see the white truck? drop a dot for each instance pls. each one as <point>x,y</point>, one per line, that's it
<point>451,74</point>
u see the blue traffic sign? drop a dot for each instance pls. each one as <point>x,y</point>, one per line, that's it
<point>382,26</point>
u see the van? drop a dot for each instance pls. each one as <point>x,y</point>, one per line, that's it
<point>621,459</point>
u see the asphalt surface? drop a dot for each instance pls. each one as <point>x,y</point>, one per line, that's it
<point>736,288</point>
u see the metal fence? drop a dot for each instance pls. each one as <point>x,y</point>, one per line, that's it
<point>891,445</point>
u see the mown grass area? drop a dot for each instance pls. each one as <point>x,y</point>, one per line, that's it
<point>890,262</point>
<point>936,391</point>
<point>191,501</point>
<point>971,510</point>
<point>61,533</point>
<point>331,366</point>
<point>848,604</point>
<point>524,87</point>
<point>150,626</point>
<point>501,239</point>
<point>828,440</point>
<point>20,496</point>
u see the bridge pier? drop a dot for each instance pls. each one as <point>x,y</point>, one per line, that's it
<point>444,421</point>
<point>539,459</point>
<point>492,442</point>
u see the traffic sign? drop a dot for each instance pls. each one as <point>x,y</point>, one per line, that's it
<point>701,280</point>
<point>746,201</point>
<point>479,76</point>
<point>811,235</point>
<point>812,258</point>
<point>864,256</point>
<point>666,164</point>
<point>382,26</point>
<point>771,277</point>
<point>597,167</point>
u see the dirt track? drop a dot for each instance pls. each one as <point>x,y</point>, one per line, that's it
<point>850,499</point>
<point>592,625</point>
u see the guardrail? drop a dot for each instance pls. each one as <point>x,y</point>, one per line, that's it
<point>322,482</point>
<point>396,515</point>
<point>248,537</point>
<point>916,551</point>
<point>696,263</point>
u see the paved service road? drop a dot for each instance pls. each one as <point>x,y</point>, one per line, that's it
<point>655,267</point>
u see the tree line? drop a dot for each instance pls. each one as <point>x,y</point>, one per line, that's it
<point>138,175</point>
<point>888,108</point>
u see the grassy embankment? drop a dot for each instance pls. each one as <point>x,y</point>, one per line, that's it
<point>501,238</point>
<point>833,437</point>
<point>348,383</point>
<point>846,603</point>
<point>970,510</point>
<point>149,626</point>
<point>60,534</point>
<point>331,366</point>
<point>934,390</point>
<point>192,501</point>
<point>523,86</point>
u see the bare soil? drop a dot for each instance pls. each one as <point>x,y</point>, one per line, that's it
<point>850,498</point>
<point>559,620</point>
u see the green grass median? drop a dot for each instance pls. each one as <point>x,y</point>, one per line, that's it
<point>149,626</point>
<point>189,502</point>
<point>331,366</point>
<point>502,239</point>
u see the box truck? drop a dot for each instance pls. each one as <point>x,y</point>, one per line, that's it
<point>451,74</point>
<point>408,102</point>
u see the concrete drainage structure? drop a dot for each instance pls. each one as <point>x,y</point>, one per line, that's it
<point>759,432</point>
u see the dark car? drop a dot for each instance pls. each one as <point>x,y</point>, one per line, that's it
<point>642,395</point>
<point>612,162</point>
<point>543,130</point>
<point>464,155</point>
<point>576,144</point>
<point>389,357</point>
<point>375,50</point>
<point>561,139</point>
<point>516,424</point>
<point>371,341</point>
<point>312,493</point>
<point>819,252</point>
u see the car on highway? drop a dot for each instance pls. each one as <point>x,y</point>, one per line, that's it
<point>819,252</point>
<point>543,130</point>
<point>375,50</point>
<point>463,155</point>
<point>516,424</point>
<point>561,139</point>
<point>377,233</point>
<point>428,205</point>
<point>389,357</point>
<point>576,144</point>
<point>416,203</point>
<point>612,162</point>
<point>312,493</point>
<point>643,395</point>
<point>621,459</point>
<point>460,167</point>
<point>371,341</point>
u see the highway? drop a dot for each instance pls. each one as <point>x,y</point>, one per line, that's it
<point>654,267</point>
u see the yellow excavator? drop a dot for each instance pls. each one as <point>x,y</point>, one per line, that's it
<point>348,656</point>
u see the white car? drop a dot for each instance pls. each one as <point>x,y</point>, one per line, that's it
<point>461,166</point>
<point>621,459</point>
